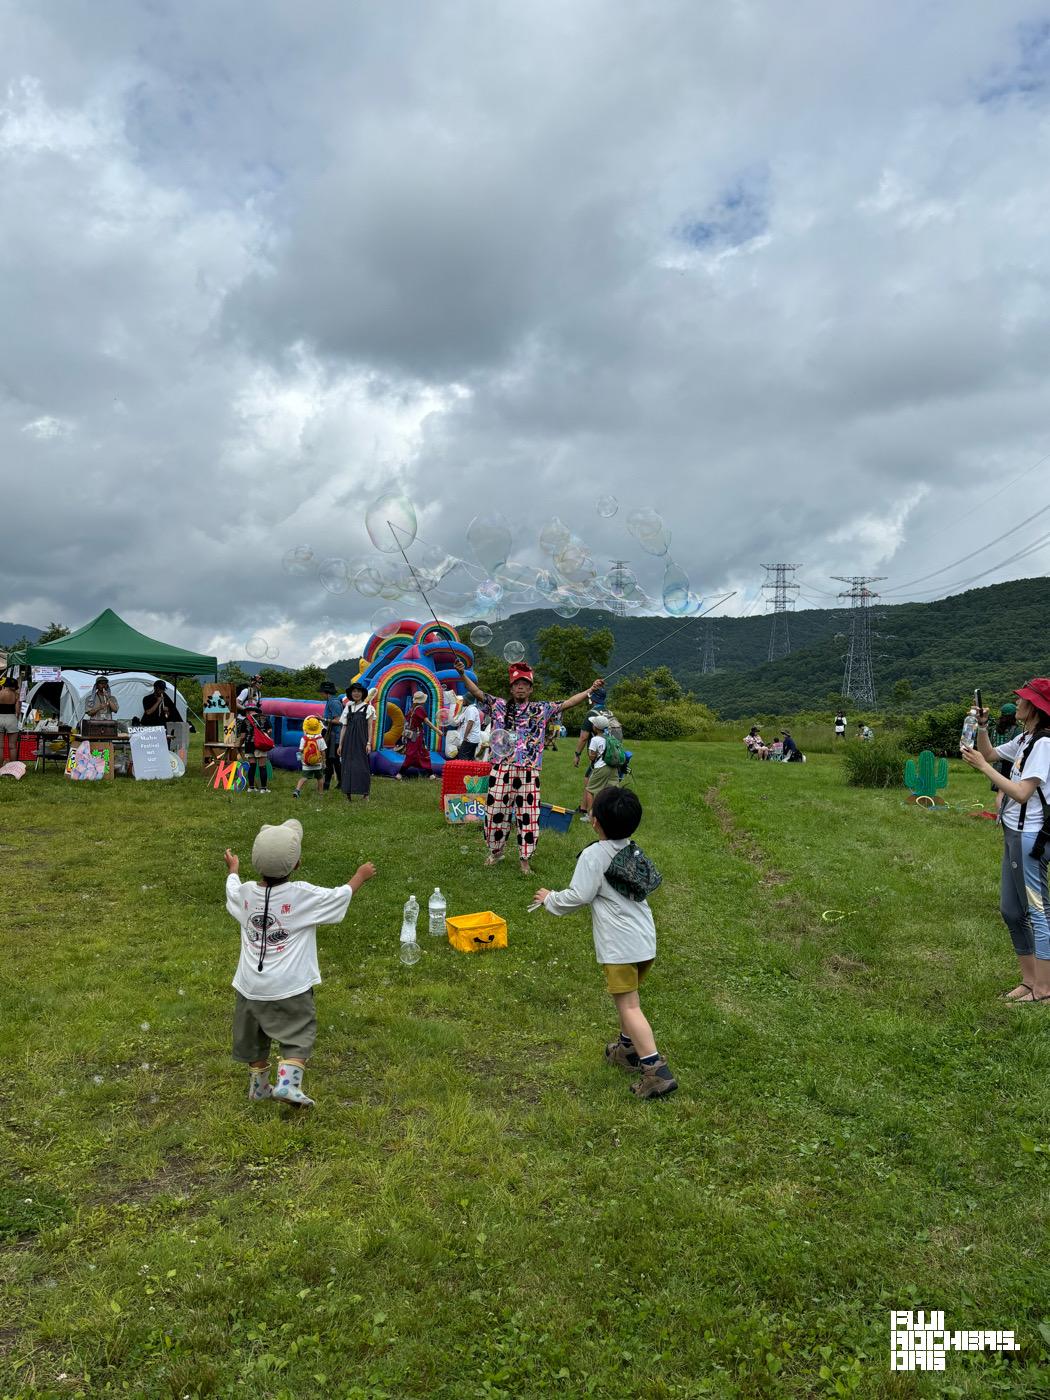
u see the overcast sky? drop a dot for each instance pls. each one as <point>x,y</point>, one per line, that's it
<point>778,272</point>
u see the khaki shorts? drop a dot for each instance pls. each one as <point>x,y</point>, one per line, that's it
<point>602,778</point>
<point>291,1021</point>
<point>625,977</point>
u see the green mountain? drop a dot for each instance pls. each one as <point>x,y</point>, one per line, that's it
<point>993,637</point>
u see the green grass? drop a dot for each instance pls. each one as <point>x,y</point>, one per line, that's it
<point>477,1206</point>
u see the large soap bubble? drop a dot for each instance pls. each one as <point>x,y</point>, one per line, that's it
<point>619,581</point>
<point>677,599</point>
<point>564,604</point>
<point>255,647</point>
<point>554,536</point>
<point>299,561</point>
<point>517,578</point>
<point>607,506</point>
<point>481,635</point>
<point>272,653</point>
<point>489,594</point>
<point>490,538</point>
<point>574,562</point>
<point>368,581</point>
<point>333,575</point>
<point>546,583</point>
<point>502,745</point>
<point>649,530</point>
<point>391,509</point>
<point>385,622</point>
<point>513,652</point>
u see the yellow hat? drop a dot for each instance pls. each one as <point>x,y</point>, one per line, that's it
<point>312,726</point>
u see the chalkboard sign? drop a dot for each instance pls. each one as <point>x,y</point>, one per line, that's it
<point>149,752</point>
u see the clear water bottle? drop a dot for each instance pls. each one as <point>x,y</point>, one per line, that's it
<point>437,909</point>
<point>410,950</point>
<point>969,730</point>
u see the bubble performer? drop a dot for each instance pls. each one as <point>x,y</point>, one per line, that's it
<point>514,784</point>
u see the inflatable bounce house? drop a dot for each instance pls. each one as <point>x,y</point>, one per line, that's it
<point>400,659</point>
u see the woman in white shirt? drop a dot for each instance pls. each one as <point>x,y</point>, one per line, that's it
<point>1024,900</point>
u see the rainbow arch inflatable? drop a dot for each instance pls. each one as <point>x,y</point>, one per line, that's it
<point>400,659</point>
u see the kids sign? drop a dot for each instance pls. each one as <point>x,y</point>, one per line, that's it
<point>464,807</point>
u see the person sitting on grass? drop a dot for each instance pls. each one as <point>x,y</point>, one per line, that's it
<point>613,878</point>
<point>278,970</point>
<point>312,748</point>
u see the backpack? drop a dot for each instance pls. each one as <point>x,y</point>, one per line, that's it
<point>632,874</point>
<point>311,752</point>
<point>614,755</point>
<point>1043,835</point>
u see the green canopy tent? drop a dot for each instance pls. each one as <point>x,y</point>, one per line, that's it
<point>109,644</point>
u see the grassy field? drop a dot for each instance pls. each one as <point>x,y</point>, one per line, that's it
<point>477,1206</point>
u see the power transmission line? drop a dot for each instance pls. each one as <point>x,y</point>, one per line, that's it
<point>779,583</point>
<point>980,550</point>
<point>858,683</point>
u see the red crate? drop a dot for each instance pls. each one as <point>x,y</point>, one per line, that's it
<point>458,769</point>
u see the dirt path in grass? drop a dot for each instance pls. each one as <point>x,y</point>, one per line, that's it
<point>739,840</point>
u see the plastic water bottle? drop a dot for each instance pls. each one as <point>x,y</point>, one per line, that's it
<point>969,730</point>
<point>437,909</point>
<point>410,950</point>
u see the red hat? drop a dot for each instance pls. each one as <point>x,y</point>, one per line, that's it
<point>521,672</point>
<point>1037,691</point>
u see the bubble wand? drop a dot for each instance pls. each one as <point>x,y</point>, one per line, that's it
<point>415,579</point>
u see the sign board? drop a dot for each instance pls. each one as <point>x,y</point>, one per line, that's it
<point>464,807</point>
<point>149,752</point>
<point>46,673</point>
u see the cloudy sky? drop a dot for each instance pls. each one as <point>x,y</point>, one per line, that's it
<point>778,272</point>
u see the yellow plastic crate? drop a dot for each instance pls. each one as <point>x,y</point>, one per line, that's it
<point>477,933</point>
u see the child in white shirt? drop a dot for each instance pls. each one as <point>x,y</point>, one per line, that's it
<point>624,932</point>
<point>278,970</point>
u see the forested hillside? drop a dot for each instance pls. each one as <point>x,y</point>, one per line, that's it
<point>992,637</point>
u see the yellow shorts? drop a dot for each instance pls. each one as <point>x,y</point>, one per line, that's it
<point>625,977</point>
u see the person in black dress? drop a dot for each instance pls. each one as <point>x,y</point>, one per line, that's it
<point>356,777</point>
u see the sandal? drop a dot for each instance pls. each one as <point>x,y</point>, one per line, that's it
<point>1016,993</point>
<point>1030,999</point>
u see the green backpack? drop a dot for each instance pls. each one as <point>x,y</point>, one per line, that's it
<point>614,755</point>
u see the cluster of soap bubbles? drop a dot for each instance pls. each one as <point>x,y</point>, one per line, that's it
<point>259,649</point>
<point>487,580</point>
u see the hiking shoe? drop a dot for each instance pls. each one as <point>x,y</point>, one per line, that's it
<point>616,1053</point>
<point>656,1081</point>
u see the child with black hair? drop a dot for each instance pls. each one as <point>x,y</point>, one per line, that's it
<point>613,877</point>
<point>277,970</point>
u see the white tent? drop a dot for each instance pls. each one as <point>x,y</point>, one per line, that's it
<point>69,695</point>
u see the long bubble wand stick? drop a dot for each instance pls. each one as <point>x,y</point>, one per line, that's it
<point>415,578</point>
<point>695,618</point>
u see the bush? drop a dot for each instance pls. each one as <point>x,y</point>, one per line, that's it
<point>937,730</point>
<point>682,719</point>
<point>874,762</point>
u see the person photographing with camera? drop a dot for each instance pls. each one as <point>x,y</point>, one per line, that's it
<point>1024,900</point>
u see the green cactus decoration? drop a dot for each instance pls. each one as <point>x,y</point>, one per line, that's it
<point>928,776</point>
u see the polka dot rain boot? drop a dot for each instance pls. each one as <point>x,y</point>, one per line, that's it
<point>259,1085</point>
<point>289,1087</point>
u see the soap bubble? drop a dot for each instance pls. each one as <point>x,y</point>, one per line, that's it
<point>368,581</point>
<point>502,745</point>
<point>333,576</point>
<point>619,581</point>
<point>488,594</point>
<point>384,622</point>
<point>273,653</point>
<point>464,850</point>
<point>391,509</point>
<point>410,954</point>
<point>676,595</point>
<point>517,578</point>
<point>546,583</point>
<point>649,530</point>
<point>255,647</point>
<point>574,563</point>
<point>607,506</point>
<point>564,603</point>
<point>455,593</point>
<point>97,1079</point>
<point>299,561</point>
<point>513,652</point>
<point>490,538</point>
<point>481,635</point>
<point>554,536</point>
<point>144,1026</point>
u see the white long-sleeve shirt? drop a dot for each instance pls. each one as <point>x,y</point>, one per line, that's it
<point>623,928</point>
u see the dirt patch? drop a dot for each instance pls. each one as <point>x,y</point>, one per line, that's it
<point>179,1175</point>
<point>846,965</point>
<point>741,842</point>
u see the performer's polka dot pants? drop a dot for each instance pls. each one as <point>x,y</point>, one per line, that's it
<point>514,799</point>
